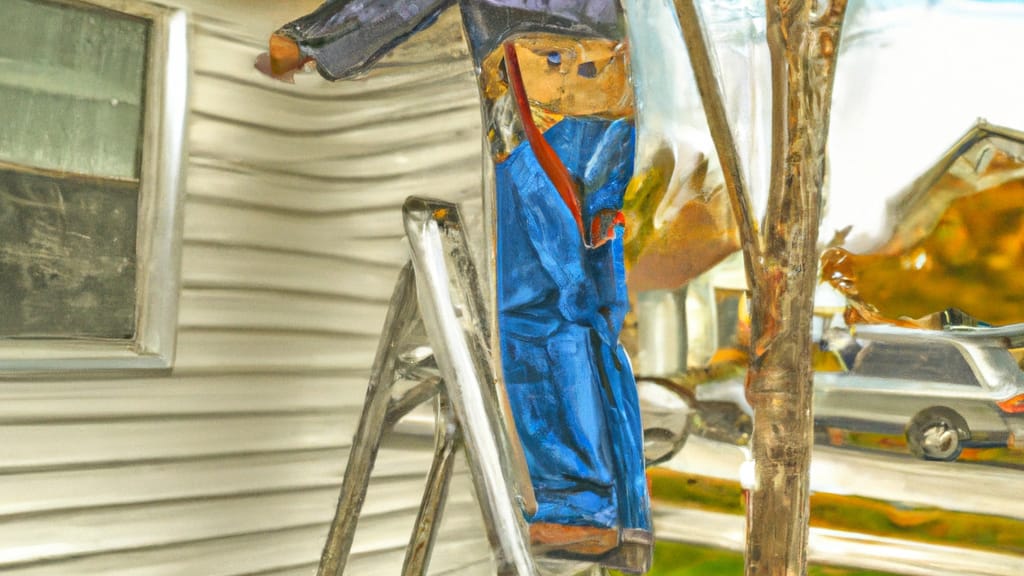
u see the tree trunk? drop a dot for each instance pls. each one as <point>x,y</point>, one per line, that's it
<point>779,390</point>
<point>803,49</point>
<point>781,264</point>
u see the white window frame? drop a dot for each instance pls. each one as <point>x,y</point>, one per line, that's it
<point>159,222</point>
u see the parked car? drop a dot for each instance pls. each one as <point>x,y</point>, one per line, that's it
<point>943,389</point>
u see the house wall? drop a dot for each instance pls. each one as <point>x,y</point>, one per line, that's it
<point>292,241</point>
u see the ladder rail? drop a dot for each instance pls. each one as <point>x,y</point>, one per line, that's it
<point>451,305</point>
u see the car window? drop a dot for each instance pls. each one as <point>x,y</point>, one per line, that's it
<point>933,363</point>
<point>999,368</point>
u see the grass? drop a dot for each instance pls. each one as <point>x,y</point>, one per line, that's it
<point>674,559</point>
<point>854,514</point>
<point>698,492</point>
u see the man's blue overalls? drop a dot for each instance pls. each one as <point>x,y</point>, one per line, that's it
<point>561,307</point>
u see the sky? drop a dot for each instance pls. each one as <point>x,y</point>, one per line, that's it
<point>913,76</point>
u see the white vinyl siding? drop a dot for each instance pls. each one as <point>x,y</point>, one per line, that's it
<point>232,464</point>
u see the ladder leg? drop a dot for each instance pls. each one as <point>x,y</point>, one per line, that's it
<point>417,555</point>
<point>402,313</point>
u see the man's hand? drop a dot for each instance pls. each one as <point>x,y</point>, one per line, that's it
<point>283,59</point>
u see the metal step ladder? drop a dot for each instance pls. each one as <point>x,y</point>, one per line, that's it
<point>436,335</point>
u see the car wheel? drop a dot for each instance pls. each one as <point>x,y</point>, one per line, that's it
<point>937,434</point>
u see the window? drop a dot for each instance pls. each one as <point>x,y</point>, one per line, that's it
<point>928,363</point>
<point>91,132</point>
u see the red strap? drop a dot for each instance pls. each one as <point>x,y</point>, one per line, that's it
<point>546,155</point>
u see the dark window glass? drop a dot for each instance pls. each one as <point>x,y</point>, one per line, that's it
<point>72,84</point>
<point>928,363</point>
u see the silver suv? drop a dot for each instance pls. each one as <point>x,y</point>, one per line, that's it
<point>944,389</point>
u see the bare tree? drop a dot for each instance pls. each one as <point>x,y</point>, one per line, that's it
<point>781,263</point>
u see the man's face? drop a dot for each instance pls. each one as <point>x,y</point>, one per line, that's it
<point>570,76</point>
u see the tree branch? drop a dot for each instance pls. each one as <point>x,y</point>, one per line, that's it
<point>714,109</point>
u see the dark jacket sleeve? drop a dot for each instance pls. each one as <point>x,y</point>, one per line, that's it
<point>346,37</point>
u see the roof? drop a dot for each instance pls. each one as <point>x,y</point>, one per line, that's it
<point>920,205</point>
<point>1010,336</point>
